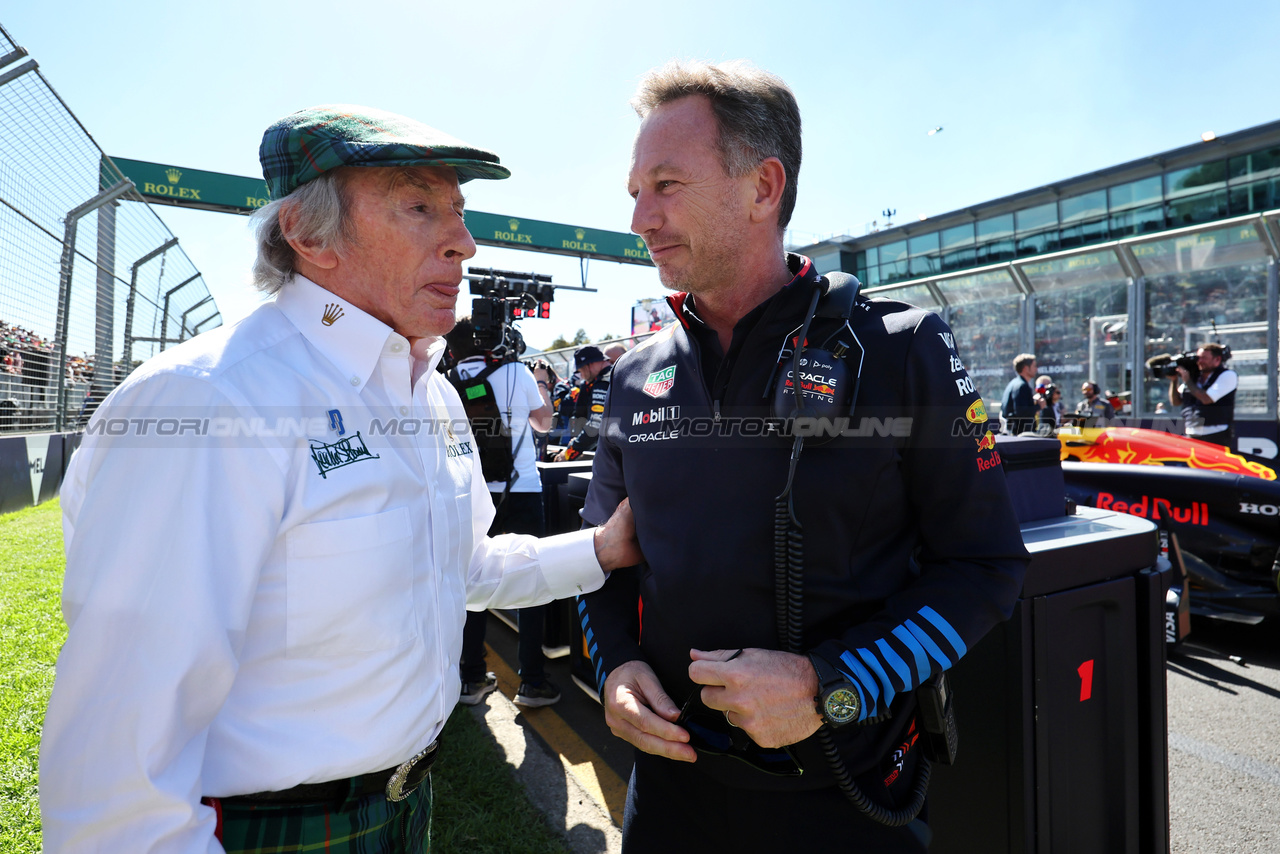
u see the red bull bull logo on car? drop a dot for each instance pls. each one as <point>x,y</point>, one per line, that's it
<point>1138,446</point>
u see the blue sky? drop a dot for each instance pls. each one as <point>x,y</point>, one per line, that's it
<point>1027,93</point>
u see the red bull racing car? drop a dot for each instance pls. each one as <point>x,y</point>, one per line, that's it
<point>1223,507</point>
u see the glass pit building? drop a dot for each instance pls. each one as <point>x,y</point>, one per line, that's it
<point>1097,273</point>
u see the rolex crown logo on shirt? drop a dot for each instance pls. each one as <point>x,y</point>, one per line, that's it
<point>332,311</point>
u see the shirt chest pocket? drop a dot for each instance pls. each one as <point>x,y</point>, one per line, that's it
<point>350,585</point>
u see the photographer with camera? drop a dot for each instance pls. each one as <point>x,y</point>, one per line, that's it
<point>510,467</point>
<point>1207,395</point>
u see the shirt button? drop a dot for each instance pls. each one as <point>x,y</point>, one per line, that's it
<point>397,347</point>
<point>355,381</point>
<point>404,410</point>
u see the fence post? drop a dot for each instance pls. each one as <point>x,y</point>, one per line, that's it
<point>164,321</point>
<point>105,313</point>
<point>59,361</point>
<point>133,293</point>
<point>182,327</point>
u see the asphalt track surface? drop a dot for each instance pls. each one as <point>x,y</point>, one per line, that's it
<point>1224,739</point>
<point>1224,743</point>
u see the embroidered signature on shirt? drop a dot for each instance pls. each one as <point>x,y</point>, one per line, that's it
<point>341,453</point>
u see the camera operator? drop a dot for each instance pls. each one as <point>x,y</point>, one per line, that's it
<point>1208,401</point>
<point>523,403</point>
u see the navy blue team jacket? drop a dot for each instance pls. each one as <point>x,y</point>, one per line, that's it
<point>911,547</point>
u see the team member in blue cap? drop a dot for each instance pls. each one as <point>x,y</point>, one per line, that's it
<point>264,634</point>
<point>596,372</point>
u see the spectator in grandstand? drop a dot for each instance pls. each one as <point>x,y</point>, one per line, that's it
<point>264,637</point>
<point>1018,406</point>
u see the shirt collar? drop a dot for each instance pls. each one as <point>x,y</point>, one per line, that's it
<point>350,338</point>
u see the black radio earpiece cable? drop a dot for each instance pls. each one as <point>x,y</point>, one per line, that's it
<point>788,562</point>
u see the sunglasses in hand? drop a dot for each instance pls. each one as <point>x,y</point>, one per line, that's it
<point>710,732</point>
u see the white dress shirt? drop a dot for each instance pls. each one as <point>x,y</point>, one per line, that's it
<point>271,536</point>
<point>517,394</point>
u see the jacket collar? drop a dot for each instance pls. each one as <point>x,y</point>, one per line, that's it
<point>804,275</point>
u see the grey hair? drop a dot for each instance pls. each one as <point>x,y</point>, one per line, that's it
<point>322,218</point>
<point>756,112</point>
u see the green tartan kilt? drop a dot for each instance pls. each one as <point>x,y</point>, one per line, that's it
<point>366,825</point>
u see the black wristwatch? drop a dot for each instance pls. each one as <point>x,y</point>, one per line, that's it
<point>838,700</point>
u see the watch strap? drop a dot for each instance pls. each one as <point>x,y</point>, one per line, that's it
<point>828,677</point>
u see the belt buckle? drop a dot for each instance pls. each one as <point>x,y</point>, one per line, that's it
<point>395,784</point>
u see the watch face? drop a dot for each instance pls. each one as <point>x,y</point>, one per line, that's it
<point>843,705</point>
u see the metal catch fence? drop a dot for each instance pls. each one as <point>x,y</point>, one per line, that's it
<point>92,282</point>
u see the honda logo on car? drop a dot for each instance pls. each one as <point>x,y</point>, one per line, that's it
<point>1151,507</point>
<point>1259,509</point>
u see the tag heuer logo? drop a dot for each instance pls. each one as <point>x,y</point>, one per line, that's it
<point>660,382</point>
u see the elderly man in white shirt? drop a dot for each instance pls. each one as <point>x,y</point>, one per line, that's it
<point>274,530</point>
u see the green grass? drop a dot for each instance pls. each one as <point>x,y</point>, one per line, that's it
<point>31,633</point>
<point>480,806</point>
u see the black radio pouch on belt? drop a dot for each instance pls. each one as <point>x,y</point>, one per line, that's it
<point>938,720</point>
<point>491,434</point>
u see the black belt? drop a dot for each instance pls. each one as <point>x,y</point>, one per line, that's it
<point>396,783</point>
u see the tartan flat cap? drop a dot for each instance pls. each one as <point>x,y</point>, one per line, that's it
<point>310,142</point>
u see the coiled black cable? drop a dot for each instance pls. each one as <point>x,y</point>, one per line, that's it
<point>788,565</point>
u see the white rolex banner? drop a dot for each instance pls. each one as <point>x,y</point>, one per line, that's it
<point>37,453</point>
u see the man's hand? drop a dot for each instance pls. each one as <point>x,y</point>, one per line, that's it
<point>765,692</point>
<point>640,713</point>
<point>615,540</point>
<point>560,457</point>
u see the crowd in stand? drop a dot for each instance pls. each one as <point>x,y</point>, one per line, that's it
<point>25,354</point>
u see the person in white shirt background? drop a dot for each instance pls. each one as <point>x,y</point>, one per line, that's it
<point>524,405</point>
<point>273,530</point>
